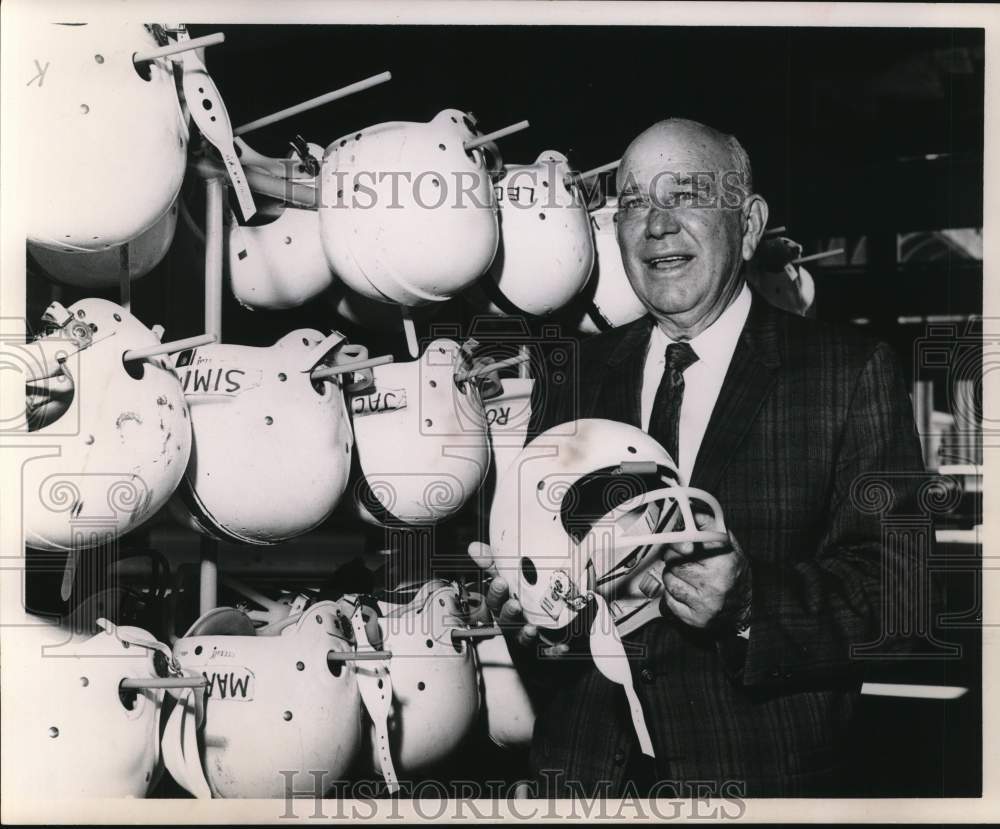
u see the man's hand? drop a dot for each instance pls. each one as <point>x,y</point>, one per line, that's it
<point>707,585</point>
<point>506,610</point>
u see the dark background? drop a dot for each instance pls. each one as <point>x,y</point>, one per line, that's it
<point>856,136</point>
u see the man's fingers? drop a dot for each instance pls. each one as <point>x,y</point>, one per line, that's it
<point>497,596</point>
<point>681,611</point>
<point>705,521</point>
<point>482,555</point>
<point>691,575</point>
<point>527,636</point>
<point>678,550</point>
<point>510,614</point>
<point>556,650</point>
<point>678,589</point>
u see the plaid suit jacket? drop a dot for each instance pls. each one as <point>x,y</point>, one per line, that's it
<point>805,411</point>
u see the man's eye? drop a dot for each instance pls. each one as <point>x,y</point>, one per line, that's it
<point>685,195</point>
<point>631,204</point>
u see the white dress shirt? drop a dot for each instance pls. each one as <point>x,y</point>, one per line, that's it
<point>702,380</point>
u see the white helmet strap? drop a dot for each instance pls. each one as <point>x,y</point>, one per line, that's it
<point>609,657</point>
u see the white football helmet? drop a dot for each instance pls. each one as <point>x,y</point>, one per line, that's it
<point>272,447</point>
<point>510,713</point>
<point>786,286</point>
<point>102,268</point>
<point>280,264</point>
<point>83,94</point>
<point>273,703</point>
<point>608,301</point>
<point>546,245</point>
<point>122,429</point>
<point>421,437</point>
<point>407,214</point>
<point>508,416</point>
<point>434,684</point>
<point>584,510</point>
<point>70,729</point>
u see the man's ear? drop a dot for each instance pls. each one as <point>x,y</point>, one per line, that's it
<point>755,214</point>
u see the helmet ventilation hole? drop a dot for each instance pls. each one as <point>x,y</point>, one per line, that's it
<point>53,732</point>
<point>287,716</point>
<point>529,571</point>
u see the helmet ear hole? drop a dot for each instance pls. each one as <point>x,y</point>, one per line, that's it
<point>134,368</point>
<point>48,400</point>
<point>529,571</point>
<point>128,697</point>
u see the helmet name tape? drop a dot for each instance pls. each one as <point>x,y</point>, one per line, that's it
<point>234,683</point>
<point>218,378</point>
<point>376,402</point>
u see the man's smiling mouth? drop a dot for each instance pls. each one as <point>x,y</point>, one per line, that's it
<point>669,262</point>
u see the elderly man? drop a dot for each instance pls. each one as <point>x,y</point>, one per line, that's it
<point>747,681</point>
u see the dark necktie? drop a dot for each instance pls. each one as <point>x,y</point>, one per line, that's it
<point>665,419</point>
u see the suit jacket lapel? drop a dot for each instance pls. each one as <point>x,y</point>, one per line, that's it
<point>619,395</point>
<point>751,375</point>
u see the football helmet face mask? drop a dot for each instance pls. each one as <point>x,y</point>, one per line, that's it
<point>583,509</point>
<point>91,90</point>
<point>405,241</point>
<point>608,301</point>
<point>123,429</point>
<point>259,422</point>
<point>434,683</point>
<point>101,268</point>
<point>89,737</point>
<point>422,442</point>
<point>544,229</point>
<point>272,703</point>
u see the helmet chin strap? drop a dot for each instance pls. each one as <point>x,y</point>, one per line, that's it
<point>609,657</point>
<point>375,686</point>
<point>181,752</point>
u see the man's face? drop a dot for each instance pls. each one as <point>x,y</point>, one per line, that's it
<point>683,224</point>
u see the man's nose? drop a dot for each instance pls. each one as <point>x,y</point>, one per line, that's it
<point>661,221</point>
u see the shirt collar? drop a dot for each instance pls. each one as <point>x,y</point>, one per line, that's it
<point>716,344</point>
